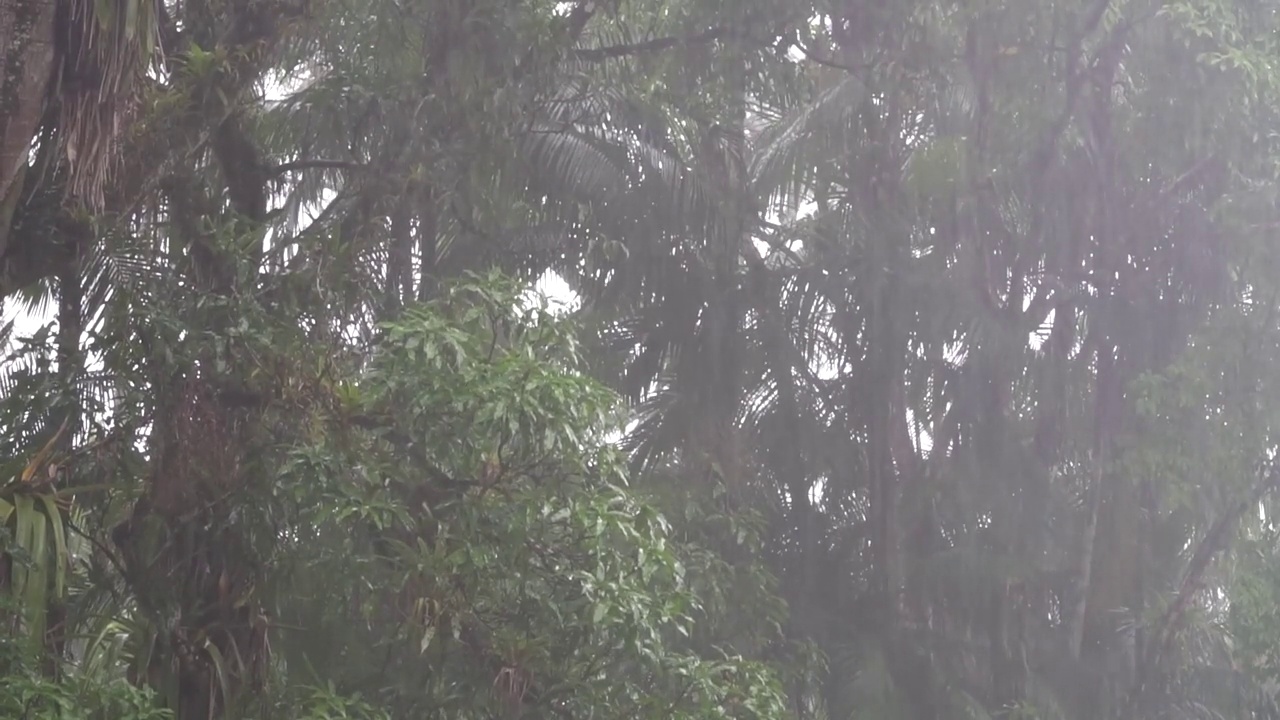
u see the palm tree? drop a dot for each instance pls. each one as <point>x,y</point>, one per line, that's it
<point>72,73</point>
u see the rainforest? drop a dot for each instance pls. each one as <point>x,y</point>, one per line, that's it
<point>639,359</point>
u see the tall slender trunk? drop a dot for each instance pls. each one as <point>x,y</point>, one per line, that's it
<point>428,247</point>
<point>399,287</point>
<point>722,151</point>
<point>70,367</point>
<point>1084,567</point>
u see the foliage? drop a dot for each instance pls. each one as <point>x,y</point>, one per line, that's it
<point>524,569</point>
<point>498,560</point>
<point>26,693</point>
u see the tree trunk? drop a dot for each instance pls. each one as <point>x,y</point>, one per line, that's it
<point>1080,604</point>
<point>26,67</point>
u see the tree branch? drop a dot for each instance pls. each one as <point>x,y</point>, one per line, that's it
<point>301,165</point>
<point>1215,541</point>
<point>610,52</point>
<point>814,57</point>
<point>1041,159</point>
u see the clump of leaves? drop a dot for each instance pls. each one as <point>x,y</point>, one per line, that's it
<point>25,692</point>
<point>524,571</point>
